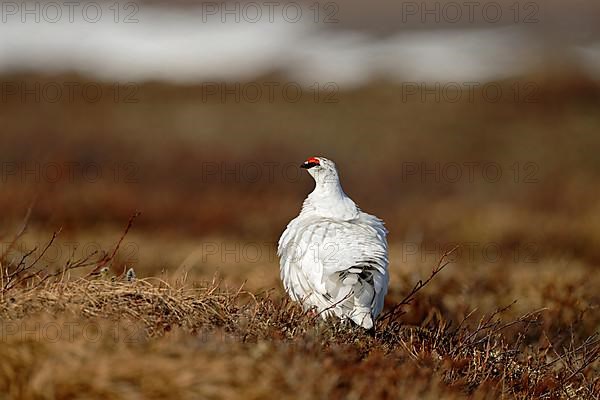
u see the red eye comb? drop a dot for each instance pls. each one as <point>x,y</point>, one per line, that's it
<point>311,162</point>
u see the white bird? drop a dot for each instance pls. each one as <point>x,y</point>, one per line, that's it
<point>333,256</point>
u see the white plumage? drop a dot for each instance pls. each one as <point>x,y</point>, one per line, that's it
<point>333,256</point>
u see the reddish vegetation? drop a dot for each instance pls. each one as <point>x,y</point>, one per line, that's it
<point>514,314</point>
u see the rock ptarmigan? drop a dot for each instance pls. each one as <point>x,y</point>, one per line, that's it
<point>333,256</point>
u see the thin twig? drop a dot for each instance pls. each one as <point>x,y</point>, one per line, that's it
<point>19,233</point>
<point>106,259</point>
<point>397,310</point>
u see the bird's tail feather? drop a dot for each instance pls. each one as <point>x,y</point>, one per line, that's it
<point>363,300</point>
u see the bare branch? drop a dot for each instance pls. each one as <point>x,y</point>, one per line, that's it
<point>397,310</point>
<point>106,259</point>
<point>19,233</point>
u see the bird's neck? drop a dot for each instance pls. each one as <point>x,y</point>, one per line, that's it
<point>328,200</point>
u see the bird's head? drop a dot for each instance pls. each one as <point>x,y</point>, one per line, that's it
<point>321,169</point>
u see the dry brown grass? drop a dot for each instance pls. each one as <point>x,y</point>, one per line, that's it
<point>124,340</point>
<point>179,332</point>
<point>107,337</point>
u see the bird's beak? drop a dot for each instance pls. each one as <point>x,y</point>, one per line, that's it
<point>308,165</point>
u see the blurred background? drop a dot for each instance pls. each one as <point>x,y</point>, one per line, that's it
<point>471,123</point>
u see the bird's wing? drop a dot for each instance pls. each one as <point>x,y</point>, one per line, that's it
<point>289,252</point>
<point>334,255</point>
